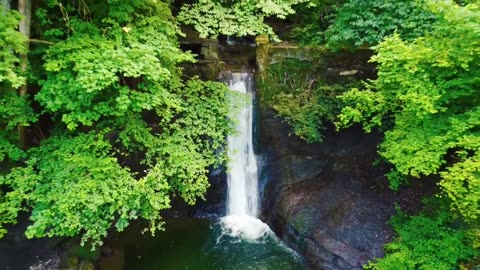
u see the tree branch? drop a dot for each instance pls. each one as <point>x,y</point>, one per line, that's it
<point>41,41</point>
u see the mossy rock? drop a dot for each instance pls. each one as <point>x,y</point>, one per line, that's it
<point>261,40</point>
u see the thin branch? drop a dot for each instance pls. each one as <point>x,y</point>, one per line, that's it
<point>34,40</point>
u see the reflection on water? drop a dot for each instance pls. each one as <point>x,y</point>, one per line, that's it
<point>197,244</point>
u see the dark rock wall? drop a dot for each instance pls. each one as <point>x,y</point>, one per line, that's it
<point>326,200</point>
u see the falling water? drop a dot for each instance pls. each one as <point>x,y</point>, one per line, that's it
<point>242,177</point>
<point>242,198</point>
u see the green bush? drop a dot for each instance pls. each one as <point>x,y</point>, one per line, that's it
<point>427,241</point>
<point>298,92</point>
<point>427,94</point>
<point>366,23</point>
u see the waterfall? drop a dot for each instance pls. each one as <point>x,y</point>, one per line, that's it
<point>242,196</point>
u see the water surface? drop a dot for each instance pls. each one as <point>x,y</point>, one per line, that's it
<point>197,244</point>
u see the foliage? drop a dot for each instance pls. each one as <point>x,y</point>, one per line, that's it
<point>312,20</point>
<point>238,17</point>
<point>14,110</point>
<point>190,144</point>
<point>359,23</point>
<point>428,90</point>
<point>297,90</point>
<point>123,66</point>
<point>12,42</point>
<point>129,133</point>
<point>426,242</point>
<point>71,181</point>
<point>75,186</point>
<point>461,182</point>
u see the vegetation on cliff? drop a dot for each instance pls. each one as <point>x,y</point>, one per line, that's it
<point>300,94</point>
<point>425,99</point>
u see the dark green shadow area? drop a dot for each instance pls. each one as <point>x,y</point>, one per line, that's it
<point>196,244</point>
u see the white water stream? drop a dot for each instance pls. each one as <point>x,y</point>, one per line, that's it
<point>242,176</point>
<point>242,198</point>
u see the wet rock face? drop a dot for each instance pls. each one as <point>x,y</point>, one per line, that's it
<point>326,200</point>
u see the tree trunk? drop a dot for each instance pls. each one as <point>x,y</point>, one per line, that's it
<point>25,8</point>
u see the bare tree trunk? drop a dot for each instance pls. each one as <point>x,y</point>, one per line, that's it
<point>25,8</point>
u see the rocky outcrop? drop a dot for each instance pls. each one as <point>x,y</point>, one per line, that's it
<point>326,200</point>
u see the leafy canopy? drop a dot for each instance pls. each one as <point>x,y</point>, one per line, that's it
<point>427,96</point>
<point>365,23</point>
<point>311,20</point>
<point>129,133</point>
<point>211,18</point>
